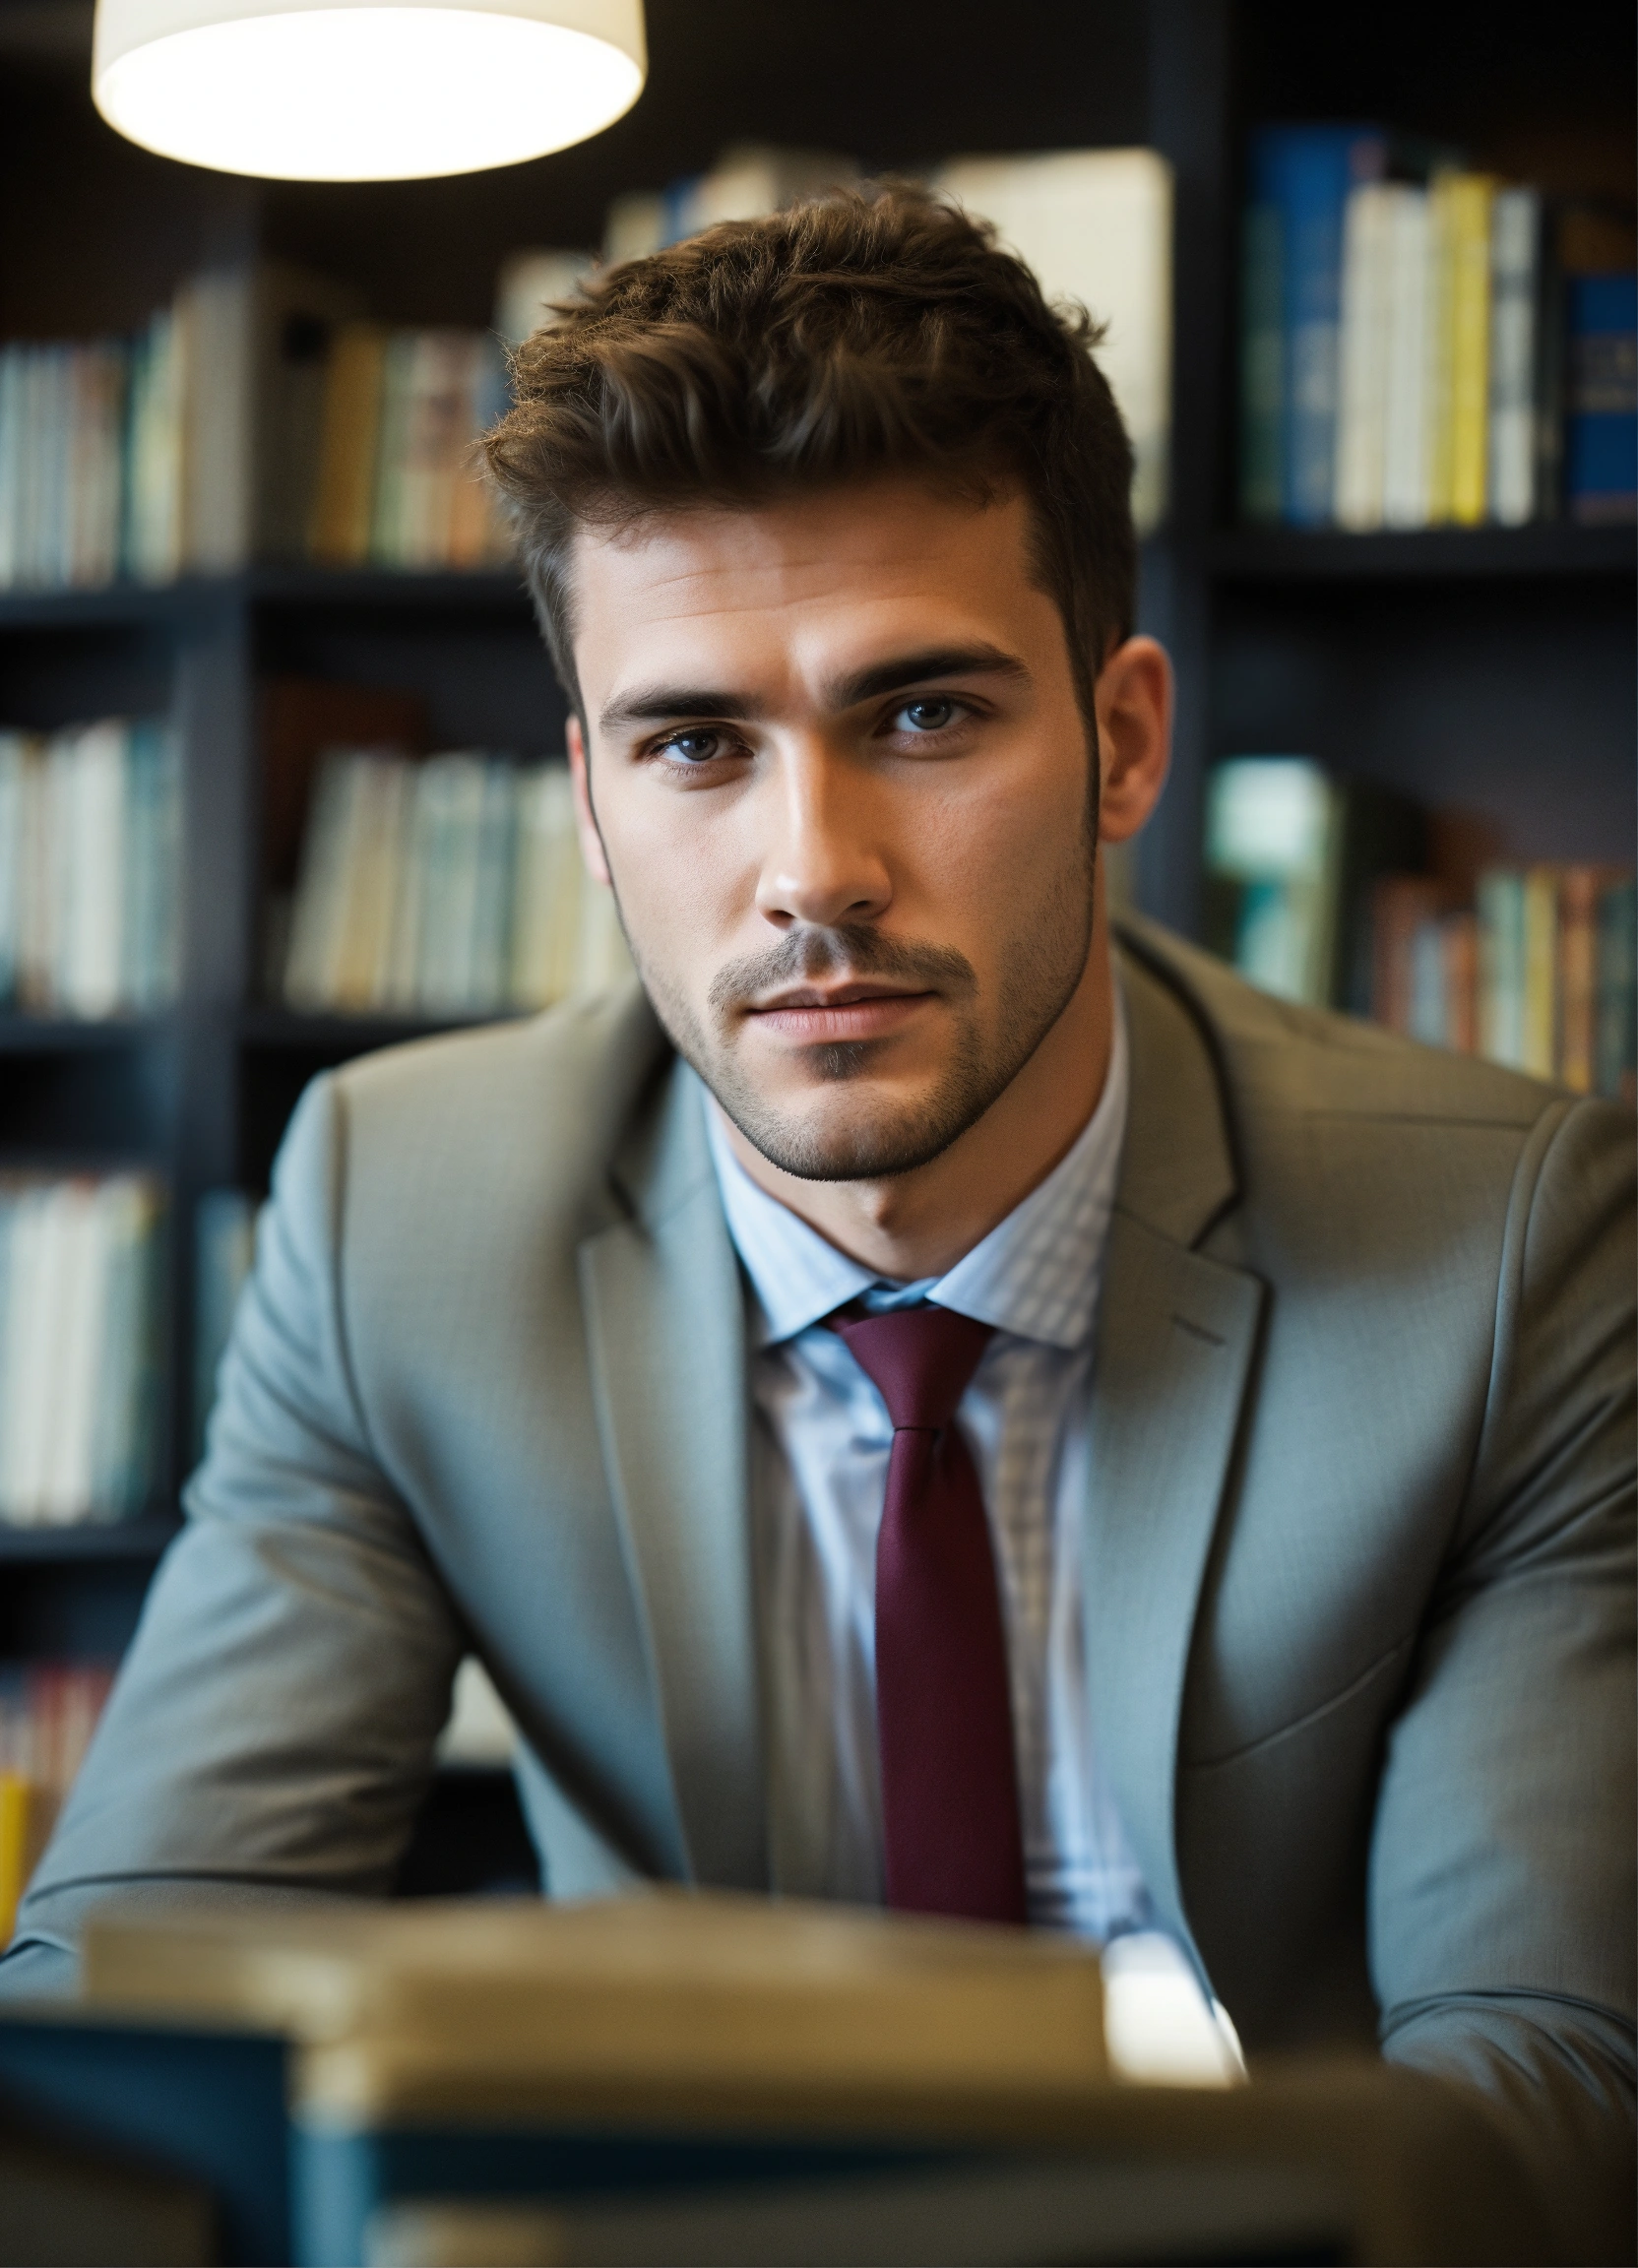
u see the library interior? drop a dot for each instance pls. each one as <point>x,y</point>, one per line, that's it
<point>285,784</point>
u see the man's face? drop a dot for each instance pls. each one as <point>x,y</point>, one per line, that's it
<point>842,786</point>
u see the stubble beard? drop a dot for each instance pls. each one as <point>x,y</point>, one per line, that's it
<point>1040,968</point>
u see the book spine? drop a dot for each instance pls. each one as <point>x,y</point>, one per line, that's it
<point>1578,905</point>
<point>1262,364</point>
<point>1461,965</point>
<point>1439,361</point>
<point>1363,404</point>
<point>1406,466</point>
<point>1472,201</point>
<point>1617,991</point>
<point>1601,443</point>
<point>1515,310</point>
<point>343,506</point>
<point>387,531</point>
<point>1539,1052</point>
<point>1501,977</point>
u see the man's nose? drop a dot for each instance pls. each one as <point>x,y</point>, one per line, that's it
<point>824,862</point>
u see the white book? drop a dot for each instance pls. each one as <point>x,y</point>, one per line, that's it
<point>33,1349</point>
<point>154,551</point>
<point>216,316</point>
<point>1362,394</point>
<point>493,899</point>
<point>408,899</point>
<point>1515,291</point>
<point>91,980</point>
<point>545,892</point>
<point>319,908</point>
<point>1095,226</point>
<point>121,1422</point>
<point>15,764</point>
<point>453,786</point>
<point>368,870</point>
<point>56,459</point>
<point>13,452</point>
<point>83,1256</point>
<point>38,879</point>
<point>1407,463</point>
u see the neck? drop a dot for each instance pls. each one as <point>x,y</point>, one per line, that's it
<point>917,1224</point>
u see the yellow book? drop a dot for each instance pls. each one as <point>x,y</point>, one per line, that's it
<point>16,1846</point>
<point>1539,1052</point>
<point>1471,199</point>
<point>344,503</point>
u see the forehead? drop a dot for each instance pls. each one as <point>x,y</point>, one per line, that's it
<point>891,557</point>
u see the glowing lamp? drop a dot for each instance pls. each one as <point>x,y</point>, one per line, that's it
<point>372,91</point>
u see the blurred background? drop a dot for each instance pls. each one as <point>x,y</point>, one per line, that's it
<point>280,757</point>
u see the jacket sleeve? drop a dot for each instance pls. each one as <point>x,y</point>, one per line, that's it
<point>274,1723</point>
<point>1501,1887</point>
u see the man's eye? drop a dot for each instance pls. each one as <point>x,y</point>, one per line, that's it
<point>698,747</point>
<point>932,716</point>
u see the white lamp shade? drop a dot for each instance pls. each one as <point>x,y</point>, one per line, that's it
<point>365,91</point>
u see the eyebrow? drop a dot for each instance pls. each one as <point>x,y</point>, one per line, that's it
<point>662,704</point>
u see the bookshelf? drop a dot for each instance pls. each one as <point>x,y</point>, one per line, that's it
<point>1489,664</point>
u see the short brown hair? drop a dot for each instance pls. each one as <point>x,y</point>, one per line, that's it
<point>854,335</point>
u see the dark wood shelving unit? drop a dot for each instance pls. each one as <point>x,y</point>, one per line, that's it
<point>1491,666</point>
<point>110,1542</point>
<point>1548,549</point>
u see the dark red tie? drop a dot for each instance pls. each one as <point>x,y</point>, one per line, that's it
<point>949,1820</point>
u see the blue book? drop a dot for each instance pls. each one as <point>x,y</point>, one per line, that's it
<point>1601,438</point>
<point>1300,178</point>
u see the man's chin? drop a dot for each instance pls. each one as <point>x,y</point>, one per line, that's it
<point>872,1140</point>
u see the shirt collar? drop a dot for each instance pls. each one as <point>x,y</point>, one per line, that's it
<point>1035,1275</point>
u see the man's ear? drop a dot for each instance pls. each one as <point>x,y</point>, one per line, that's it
<point>586,819</point>
<point>1133,697</point>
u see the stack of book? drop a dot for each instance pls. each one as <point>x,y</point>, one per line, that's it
<point>191,447</point>
<point>1537,972</point>
<point>78,1298</point>
<point>49,1712</point>
<point>1318,891</point>
<point>397,483</point>
<point>448,886</point>
<point>88,865</point>
<point>1413,352</point>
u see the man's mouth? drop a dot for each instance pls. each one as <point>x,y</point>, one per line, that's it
<point>812,1014</point>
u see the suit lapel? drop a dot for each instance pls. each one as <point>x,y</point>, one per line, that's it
<point>665,1319</point>
<point>1177,1333</point>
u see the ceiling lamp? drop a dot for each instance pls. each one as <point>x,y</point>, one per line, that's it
<point>312,91</point>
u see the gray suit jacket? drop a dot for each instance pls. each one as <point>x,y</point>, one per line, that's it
<point>1357,1549</point>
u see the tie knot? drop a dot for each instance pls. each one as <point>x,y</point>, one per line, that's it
<point>920,1360</point>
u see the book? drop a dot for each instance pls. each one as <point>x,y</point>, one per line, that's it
<point>78,1316</point>
<point>1365,352</point>
<point>1300,181</point>
<point>448,886</point>
<point>1601,438</point>
<point>1293,858</point>
<point>1468,204</point>
<point>702,1992</point>
<point>342,519</point>
<point>224,1239</point>
<point>49,1712</point>
<point>88,865</point>
<point>1516,306</point>
<point>1095,226</point>
<point>1618,993</point>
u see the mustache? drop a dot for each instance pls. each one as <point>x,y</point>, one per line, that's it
<point>848,950</point>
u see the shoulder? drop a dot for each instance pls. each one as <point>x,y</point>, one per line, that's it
<point>545,1103</point>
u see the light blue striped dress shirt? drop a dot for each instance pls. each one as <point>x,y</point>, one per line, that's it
<point>819,1455</point>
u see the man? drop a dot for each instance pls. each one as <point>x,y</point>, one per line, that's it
<point>912,1403</point>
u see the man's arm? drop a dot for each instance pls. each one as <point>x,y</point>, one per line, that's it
<point>1502,1910</point>
<point>272,1725</point>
